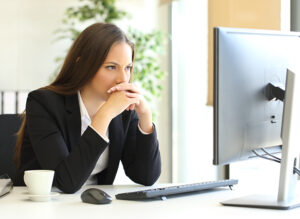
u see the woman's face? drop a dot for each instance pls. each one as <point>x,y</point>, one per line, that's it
<point>115,69</point>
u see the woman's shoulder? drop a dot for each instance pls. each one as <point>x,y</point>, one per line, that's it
<point>46,96</point>
<point>50,101</point>
<point>42,93</point>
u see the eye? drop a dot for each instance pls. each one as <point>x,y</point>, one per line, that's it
<point>110,67</point>
<point>128,68</point>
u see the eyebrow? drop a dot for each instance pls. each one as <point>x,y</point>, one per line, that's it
<point>114,63</point>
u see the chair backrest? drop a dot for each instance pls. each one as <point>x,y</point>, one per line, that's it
<point>9,126</point>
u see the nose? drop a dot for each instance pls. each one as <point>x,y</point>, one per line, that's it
<point>122,76</point>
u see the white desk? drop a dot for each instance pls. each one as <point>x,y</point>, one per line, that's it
<point>16,205</point>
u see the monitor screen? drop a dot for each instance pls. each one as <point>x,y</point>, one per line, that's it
<point>246,61</point>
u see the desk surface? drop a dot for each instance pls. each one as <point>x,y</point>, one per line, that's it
<point>16,205</point>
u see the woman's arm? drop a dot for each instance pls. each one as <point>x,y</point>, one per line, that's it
<point>47,131</point>
<point>141,156</point>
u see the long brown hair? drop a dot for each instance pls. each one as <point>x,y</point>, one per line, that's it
<point>82,62</point>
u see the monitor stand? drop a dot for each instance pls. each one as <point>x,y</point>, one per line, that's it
<point>262,201</point>
<point>286,197</point>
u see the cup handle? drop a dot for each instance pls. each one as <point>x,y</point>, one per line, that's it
<point>25,179</point>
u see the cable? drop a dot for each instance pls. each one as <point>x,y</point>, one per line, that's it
<point>267,158</point>
<point>274,158</point>
<point>296,170</point>
<point>271,155</point>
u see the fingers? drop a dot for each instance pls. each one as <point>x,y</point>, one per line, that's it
<point>136,97</point>
<point>134,100</point>
<point>132,92</point>
<point>124,87</point>
<point>131,107</point>
<point>133,95</point>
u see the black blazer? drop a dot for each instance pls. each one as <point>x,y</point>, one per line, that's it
<point>52,140</point>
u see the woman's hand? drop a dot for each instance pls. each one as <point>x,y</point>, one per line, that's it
<point>140,105</point>
<point>118,102</point>
<point>115,104</point>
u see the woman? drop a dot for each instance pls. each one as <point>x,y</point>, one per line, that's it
<point>90,118</point>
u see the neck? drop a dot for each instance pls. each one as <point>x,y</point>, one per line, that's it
<point>91,101</point>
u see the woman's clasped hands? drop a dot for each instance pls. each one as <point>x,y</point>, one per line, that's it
<point>135,100</point>
<point>131,98</point>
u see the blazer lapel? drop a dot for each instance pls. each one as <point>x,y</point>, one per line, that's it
<point>73,119</point>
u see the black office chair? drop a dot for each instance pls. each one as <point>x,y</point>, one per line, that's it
<point>9,126</point>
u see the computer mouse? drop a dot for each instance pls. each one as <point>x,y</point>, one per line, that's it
<point>95,196</point>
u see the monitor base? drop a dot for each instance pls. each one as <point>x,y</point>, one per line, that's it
<point>262,201</point>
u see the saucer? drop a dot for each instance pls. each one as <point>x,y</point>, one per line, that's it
<point>42,198</point>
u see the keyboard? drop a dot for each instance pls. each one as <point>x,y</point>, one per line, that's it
<point>174,190</point>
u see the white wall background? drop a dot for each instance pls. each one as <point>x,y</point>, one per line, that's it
<point>27,51</point>
<point>192,119</point>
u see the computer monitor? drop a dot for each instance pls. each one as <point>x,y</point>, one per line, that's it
<point>250,78</point>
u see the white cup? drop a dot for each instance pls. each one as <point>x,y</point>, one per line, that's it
<point>39,182</point>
